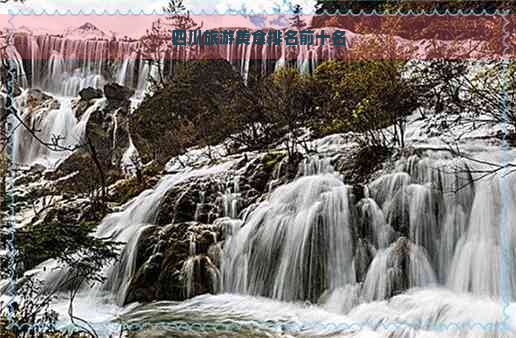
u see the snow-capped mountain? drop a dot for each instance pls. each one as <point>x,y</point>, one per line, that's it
<point>86,31</point>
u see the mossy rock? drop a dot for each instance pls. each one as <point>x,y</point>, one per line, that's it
<point>79,174</point>
<point>181,202</point>
<point>127,188</point>
<point>164,253</point>
<point>359,164</point>
<point>90,93</point>
<point>272,159</point>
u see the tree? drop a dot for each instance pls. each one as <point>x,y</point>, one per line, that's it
<point>103,185</point>
<point>31,313</point>
<point>157,42</point>
<point>474,90</point>
<point>201,106</point>
<point>437,27</point>
<point>179,17</point>
<point>364,96</point>
<point>296,20</point>
<point>288,105</point>
<point>85,266</point>
<point>81,257</point>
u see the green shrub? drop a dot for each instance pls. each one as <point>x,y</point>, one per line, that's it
<point>363,96</point>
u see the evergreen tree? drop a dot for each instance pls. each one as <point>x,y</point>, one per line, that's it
<point>296,20</point>
<point>404,5</point>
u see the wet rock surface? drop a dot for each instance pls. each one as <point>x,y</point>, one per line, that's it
<point>90,93</point>
<point>115,92</point>
<point>105,141</point>
<point>173,263</point>
<point>36,97</point>
<point>179,256</point>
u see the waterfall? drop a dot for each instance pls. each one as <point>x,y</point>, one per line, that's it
<point>54,123</point>
<point>304,241</point>
<point>14,56</point>
<point>65,65</point>
<point>479,255</point>
<point>126,73</point>
<point>430,200</point>
<point>374,224</point>
<point>401,266</point>
<point>315,166</point>
<point>314,214</point>
<point>140,211</point>
<point>307,240</point>
<point>231,198</point>
<point>130,158</point>
<point>127,226</point>
<point>425,233</point>
<point>196,270</point>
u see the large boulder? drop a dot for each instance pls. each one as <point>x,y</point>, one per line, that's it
<point>107,132</point>
<point>90,93</point>
<point>204,199</point>
<point>105,140</point>
<point>116,92</point>
<point>363,256</point>
<point>195,200</point>
<point>79,174</point>
<point>86,96</point>
<point>173,263</point>
<point>108,128</point>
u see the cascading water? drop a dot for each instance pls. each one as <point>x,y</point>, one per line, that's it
<point>479,255</point>
<point>430,200</point>
<point>302,243</point>
<point>14,56</point>
<point>374,223</point>
<point>231,198</point>
<point>401,266</point>
<point>55,125</point>
<point>427,224</point>
<point>199,269</point>
<point>314,214</point>
<point>64,65</point>
<point>127,226</point>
